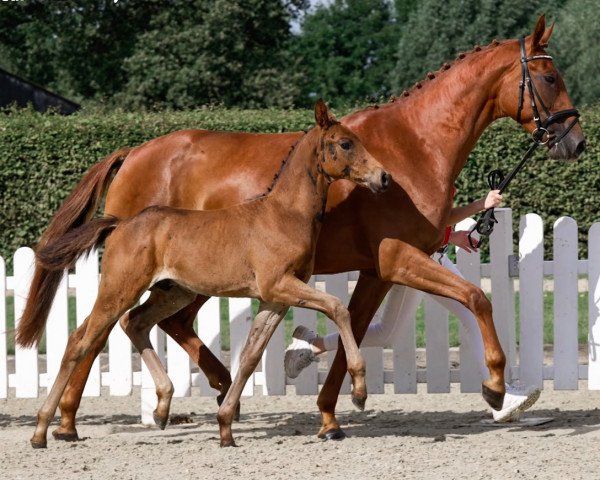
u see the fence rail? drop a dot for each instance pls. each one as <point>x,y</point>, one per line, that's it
<point>525,364</point>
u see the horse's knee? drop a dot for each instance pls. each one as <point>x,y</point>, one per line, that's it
<point>478,302</point>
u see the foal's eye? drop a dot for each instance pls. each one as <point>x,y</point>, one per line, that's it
<point>345,145</point>
<point>549,78</point>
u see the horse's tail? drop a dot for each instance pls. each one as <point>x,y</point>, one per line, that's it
<point>62,252</point>
<point>76,210</point>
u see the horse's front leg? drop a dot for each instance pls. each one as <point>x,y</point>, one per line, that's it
<point>264,324</point>
<point>368,295</point>
<point>412,267</point>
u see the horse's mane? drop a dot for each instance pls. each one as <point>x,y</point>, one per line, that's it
<point>432,75</point>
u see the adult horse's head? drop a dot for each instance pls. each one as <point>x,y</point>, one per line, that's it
<point>342,154</point>
<point>534,94</point>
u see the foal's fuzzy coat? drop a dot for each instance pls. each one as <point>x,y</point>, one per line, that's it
<point>262,249</point>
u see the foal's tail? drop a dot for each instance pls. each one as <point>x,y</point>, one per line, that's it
<point>62,252</point>
<point>78,209</point>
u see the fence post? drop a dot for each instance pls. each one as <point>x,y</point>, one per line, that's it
<point>26,359</point>
<point>566,348</point>
<point>594,307</point>
<point>307,382</point>
<point>405,352</point>
<point>531,300</point>
<point>503,295</point>
<point>272,363</point>
<point>240,320</point>
<point>57,332</point>
<point>86,291</point>
<point>469,265</point>
<point>436,339</point>
<point>337,285</point>
<point>209,330</point>
<point>3,347</point>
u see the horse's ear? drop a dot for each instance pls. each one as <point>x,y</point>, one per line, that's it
<point>546,37</point>
<point>538,32</point>
<point>322,115</point>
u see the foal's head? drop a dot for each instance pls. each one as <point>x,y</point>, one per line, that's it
<point>342,154</point>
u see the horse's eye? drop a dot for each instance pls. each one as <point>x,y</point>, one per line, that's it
<point>549,78</point>
<point>346,145</point>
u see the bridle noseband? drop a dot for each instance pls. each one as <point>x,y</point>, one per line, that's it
<point>541,136</point>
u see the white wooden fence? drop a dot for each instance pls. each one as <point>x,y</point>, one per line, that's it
<point>526,364</point>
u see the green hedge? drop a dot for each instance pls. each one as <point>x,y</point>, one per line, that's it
<point>42,156</point>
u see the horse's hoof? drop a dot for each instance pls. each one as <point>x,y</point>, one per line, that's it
<point>38,444</point>
<point>161,422</point>
<point>334,434</point>
<point>228,443</point>
<point>493,398</point>
<point>65,436</point>
<point>359,402</point>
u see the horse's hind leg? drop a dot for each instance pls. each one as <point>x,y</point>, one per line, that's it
<point>263,326</point>
<point>165,299</point>
<point>180,327</point>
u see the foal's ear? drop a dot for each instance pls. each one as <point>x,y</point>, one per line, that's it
<point>323,117</point>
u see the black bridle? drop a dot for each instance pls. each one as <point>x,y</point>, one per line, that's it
<point>540,136</point>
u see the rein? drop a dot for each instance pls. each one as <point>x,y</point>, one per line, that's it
<point>540,136</point>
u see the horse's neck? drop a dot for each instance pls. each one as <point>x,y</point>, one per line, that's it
<point>299,187</point>
<point>448,113</point>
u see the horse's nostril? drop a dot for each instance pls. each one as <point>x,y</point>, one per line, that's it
<point>580,148</point>
<point>385,179</point>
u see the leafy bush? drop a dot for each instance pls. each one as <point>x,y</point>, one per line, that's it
<point>42,156</point>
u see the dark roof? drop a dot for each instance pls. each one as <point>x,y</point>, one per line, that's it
<point>14,89</point>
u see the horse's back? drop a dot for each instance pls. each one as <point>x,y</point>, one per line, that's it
<point>193,169</point>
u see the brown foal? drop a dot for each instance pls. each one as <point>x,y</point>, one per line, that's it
<point>261,249</point>
<point>423,138</point>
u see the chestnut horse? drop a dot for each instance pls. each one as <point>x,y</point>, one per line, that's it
<point>261,249</point>
<point>423,138</point>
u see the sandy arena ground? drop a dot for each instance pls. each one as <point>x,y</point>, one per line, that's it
<point>399,436</point>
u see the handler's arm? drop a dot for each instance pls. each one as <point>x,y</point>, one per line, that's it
<point>491,200</point>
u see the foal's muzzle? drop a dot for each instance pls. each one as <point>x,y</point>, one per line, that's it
<point>380,181</point>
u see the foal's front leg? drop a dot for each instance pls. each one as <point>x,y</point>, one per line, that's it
<point>292,291</point>
<point>264,324</point>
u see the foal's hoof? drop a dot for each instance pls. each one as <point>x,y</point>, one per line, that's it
<point>493,398</point>
<point>334,434</point>
<point>65,436</point>
<point>359,402</point>
<point>161,422</point>
<point>38,443</point>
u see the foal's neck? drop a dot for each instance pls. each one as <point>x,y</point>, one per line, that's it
<point>299,186</point>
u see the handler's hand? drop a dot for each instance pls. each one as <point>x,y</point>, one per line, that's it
<point>460,238</point>
<point>493,199</point>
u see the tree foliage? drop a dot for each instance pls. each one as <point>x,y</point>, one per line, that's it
<point>576,44</point>
<point>347,49</point>
<point>437,30</point>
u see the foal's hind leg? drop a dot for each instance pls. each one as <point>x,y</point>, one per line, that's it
<point>263,326</point>
<point>111,303</point>
<point>164,300</point>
